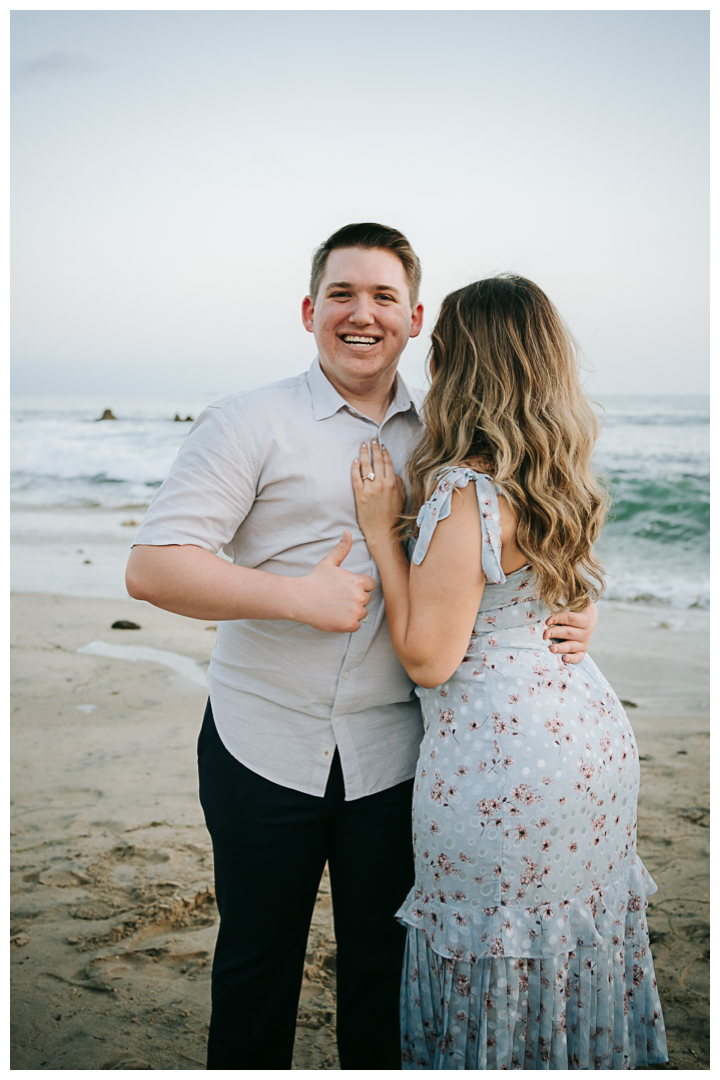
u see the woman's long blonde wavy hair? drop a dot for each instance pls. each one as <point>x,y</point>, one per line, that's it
<point>506,394</point>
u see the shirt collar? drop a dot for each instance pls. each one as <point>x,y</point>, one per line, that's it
<point>326,400</point>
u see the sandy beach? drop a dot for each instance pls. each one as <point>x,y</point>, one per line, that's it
<point>113,916</point>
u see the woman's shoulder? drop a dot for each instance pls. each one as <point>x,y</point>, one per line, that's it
<point>452,478</point>
<point>458,476</point>
<point>439,506</point>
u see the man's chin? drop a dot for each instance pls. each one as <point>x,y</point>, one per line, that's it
<point>362,353</point>
<point>341,368</point>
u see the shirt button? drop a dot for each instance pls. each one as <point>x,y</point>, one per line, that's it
<point>326,752</point>
<point>337,719</point>
<point>346,675</point>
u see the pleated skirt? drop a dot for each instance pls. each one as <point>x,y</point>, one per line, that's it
<point>592,1007</point>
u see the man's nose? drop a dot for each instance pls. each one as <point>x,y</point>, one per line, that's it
<point>361,313</point>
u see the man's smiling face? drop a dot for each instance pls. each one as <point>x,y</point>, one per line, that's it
<point>362,318</point>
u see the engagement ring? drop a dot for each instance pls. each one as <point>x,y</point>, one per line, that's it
<point>370,476</point>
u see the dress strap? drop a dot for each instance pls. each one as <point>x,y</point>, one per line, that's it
<point>438,507</point>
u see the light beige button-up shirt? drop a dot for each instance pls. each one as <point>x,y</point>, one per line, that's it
<point>265,475</point>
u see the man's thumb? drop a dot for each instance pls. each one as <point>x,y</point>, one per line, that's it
<point>341,549</point>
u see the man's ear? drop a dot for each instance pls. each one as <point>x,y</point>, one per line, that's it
<point>416,321</point>
<point>308,313</point>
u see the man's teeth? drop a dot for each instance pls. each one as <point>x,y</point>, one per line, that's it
<point>354,339</point>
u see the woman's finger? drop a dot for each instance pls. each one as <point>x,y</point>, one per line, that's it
<point>387,462</point>
<point>378,465</point>
<point>365,460</point>
<point>355,473</point>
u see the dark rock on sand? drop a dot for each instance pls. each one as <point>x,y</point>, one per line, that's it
<point>187,420</point>
<point>107,415</point>
<point>125,624</point>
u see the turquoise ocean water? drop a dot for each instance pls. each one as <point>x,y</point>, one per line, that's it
<point>77,485</point>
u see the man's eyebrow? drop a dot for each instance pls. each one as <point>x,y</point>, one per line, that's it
<point>349,285</point>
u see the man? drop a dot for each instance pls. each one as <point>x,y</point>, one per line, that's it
<point>311,733</point>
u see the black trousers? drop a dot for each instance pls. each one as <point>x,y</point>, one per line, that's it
<point>271,844</point>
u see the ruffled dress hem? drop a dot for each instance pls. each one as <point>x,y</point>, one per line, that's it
<point>460,930</point>
<point>581,994</point>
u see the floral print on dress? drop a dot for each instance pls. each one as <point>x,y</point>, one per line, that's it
<point>527,939</point>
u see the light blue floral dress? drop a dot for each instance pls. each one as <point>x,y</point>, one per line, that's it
<point>527,941</point>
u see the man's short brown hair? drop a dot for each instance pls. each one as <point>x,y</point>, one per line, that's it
<point>368,235</point>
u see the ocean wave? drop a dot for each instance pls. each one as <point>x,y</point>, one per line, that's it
<point>668,591</point>
<point>669,511</point>
<point>649,411</point>
<point>654,453</point>
<point>699,419</point>
<point>136,452</point>
<point>97,492</point>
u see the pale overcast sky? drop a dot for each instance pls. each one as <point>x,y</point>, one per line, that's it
<point>173,171</point>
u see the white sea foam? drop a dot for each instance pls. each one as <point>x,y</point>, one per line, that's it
<point>657,587</point>
<point>75,481</point>
<point>182,664</point>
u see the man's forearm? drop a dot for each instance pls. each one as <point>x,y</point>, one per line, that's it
<point>191,581</point>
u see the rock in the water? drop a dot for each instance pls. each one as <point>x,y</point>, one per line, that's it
<point>107,415</point>
<point>125,624</point>
<point>180,420</point>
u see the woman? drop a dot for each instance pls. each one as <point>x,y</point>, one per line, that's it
<point>527,943</point>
